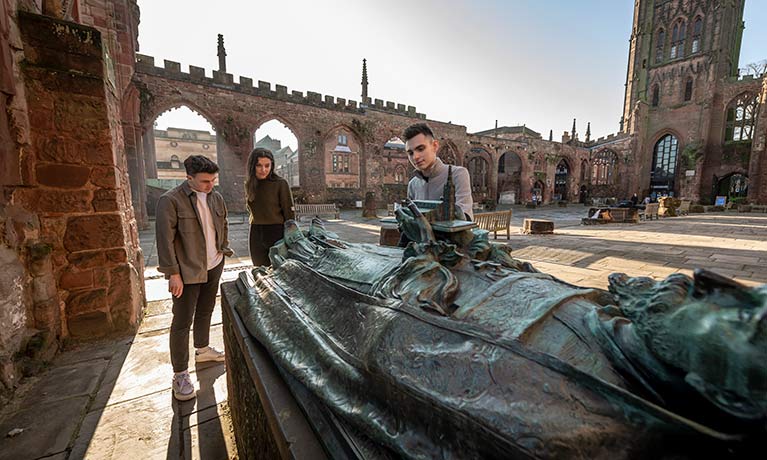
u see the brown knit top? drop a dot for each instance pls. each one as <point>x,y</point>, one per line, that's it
<point>273,203</point>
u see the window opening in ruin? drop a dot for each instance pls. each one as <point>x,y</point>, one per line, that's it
<point>688,89</point>
<point>659,46</point>
<point>655,95</point>
<point>603,167</point>
<point>279,139</point>
<point>697,30</point>
<point>400,174</point>
<point>478,171</point>
<point>560,180</point>
<point>741,117</point>
<point>677,39</point>
<point>178,133</point>
<point>664,165</point>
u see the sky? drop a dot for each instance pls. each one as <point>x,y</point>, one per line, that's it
<point>540,63</point>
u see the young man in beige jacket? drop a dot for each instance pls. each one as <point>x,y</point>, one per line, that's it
<point>192,240</point>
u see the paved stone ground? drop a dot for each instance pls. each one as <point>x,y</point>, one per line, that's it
<point>112,399</point>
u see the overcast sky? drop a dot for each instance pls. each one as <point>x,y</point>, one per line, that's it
<point>534,62</point>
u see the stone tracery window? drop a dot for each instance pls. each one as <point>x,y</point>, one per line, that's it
<point>660,45</point>
<point>603,167</point>
<point>677,39</point>
<point>697,31</point>
<point>688,89</point>
<point>478,170</point>
<point>741,117</point>
<point>399,174</point>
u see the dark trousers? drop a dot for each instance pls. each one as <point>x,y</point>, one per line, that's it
<point>195,304</point>
<point>260,239</point>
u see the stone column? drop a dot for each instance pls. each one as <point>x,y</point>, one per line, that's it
<point>136,172</point>
<point>150,156</point>
<point>80,189</point>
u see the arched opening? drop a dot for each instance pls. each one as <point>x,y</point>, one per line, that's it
<point>664,161</point>
<point>733,185</point>
<point>538,192</point>
<point>560,180</point>
<point>697,31</point>
<point>660,43</point>
<point>176,134</point>
<point>603,167</point>
<point>479,172</point>
<point>741,118</point>
<point>276,137</point>
<point>447,153</point>
<point>509,178</point>
<point>394,162</point>
<point>342,158</point>
<point>400,174</point>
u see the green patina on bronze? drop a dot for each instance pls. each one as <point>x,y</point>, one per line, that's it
<point>451,348</point>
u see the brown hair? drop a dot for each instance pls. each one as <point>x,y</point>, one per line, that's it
<point>251,183</point>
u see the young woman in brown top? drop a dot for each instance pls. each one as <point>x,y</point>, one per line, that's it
<point>270,204</point>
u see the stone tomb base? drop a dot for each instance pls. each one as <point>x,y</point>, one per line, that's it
<point>538,227</point>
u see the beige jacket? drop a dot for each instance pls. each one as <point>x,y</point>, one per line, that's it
<point>180,239</point>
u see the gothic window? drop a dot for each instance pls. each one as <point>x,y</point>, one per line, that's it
<point>399,174</point>
<point>664,159</point>
<point>478,173</point>
<point>340,163</point>
<point>584,170</point>
<point>697,30</point>
<point>342,139</point>
<point>659,46</point>
<point>655,95</point>
<point>741,117</point>
<point>603,167</point>
<point>502,164</point>
<point>677,39</point>
<point>688,89</point>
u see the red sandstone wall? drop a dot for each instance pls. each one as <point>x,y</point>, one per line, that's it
<point>70,242</point>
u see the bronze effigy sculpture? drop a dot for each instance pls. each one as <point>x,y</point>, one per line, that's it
<point>451,348</point>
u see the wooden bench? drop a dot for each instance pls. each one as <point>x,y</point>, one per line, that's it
<point>650,212</point>
<point>494,222</point>
<point>758,208</point>
<point>311,210</point>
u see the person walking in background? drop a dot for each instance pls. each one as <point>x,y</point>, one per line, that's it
<point>192,240</point>
<point>270,204</point>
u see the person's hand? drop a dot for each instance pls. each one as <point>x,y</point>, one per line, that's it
<point>176,285</point>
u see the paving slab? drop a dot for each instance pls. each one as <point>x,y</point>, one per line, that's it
<point>48,429</point>
<point>81,379</point>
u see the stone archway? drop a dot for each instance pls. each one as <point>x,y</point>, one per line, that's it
<point>732,185</point>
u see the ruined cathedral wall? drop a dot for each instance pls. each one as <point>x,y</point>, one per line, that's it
<point>69,240</point>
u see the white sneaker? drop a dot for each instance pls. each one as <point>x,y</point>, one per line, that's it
<point>183,389</point>
<point>208,354</point>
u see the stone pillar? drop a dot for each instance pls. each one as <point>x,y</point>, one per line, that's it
<point>232,149</point>
<point>150,156</point>
<point>136,173</point>
<point>493,185</point>
<point>369,210</point>
<point>757,170</point>
<point>80,188</point>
